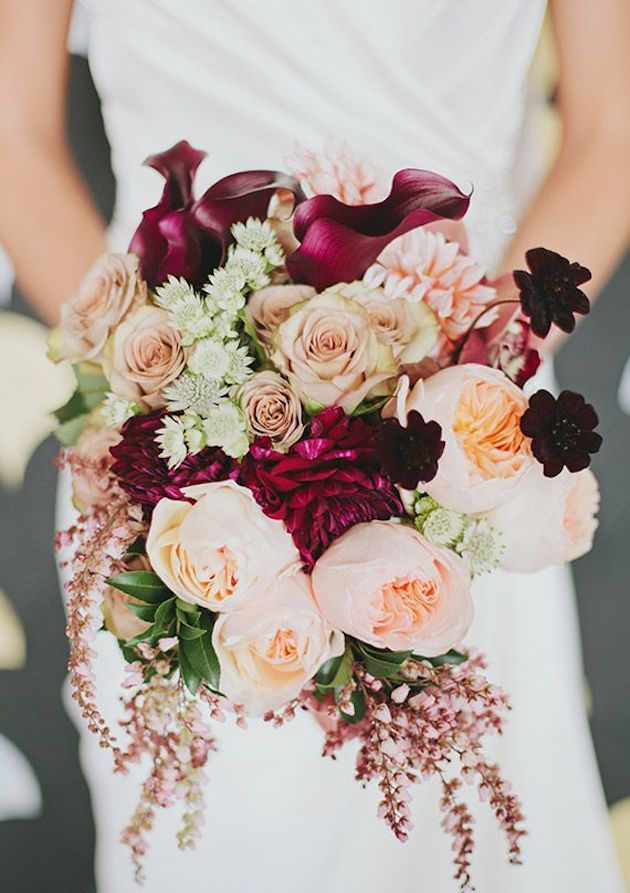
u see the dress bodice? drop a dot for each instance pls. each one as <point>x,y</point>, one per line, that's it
<point>438,84</point>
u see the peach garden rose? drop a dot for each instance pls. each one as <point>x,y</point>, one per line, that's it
<point>106,295</point>
<point>219,551</point>
<point>273,409</point>
<point>270,306</point>
<point>388,586</point>
<point>486,456</point>
<point>272,646</point>
<point>146,355</point>
<point>330,353</point>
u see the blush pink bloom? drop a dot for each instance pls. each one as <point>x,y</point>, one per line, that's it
<point>270,306</point>
<point>147,354</point>
<point>479,410</point>
<point>385,584</point>
<point>272,646</point>
<point>338,172</point>
<point>91,462</point>
<point>273,409</point>
<point>549,521</point>
<point>423,266</point>
<point>329,351</point>
<point>220,551</point>
<point>105,296</point>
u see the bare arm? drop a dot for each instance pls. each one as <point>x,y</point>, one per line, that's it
<point>583,207</point>
<point>48,223</point>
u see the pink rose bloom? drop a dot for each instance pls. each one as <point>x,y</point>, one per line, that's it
<point>270,306</point>
<point>329,351</point>
<point>220,551</point>
<point>147,355</point>
<point>549,521</point>
<point>91,461</point>
<point>383,583</point>
<point>486,455</point>
<point>107,293</point>
<point>273,409</point>
<point>423,266</point>
<point>271,647</point>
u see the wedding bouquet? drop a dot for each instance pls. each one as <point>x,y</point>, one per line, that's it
<point>299,432</point>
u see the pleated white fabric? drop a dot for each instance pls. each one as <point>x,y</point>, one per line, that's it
<point>438,84</point>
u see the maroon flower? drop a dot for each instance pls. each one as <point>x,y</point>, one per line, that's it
<point>146,477</point>
<point>339,241</point>
<point>184,237</point>
<point>326,483</point>
<point>549,292</point>
<point>410,455</point>
<point>562,431</point>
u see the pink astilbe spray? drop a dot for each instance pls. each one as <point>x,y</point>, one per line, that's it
<point>338,172</point>
<point>436,731</point>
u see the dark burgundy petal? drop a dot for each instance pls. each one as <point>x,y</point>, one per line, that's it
<point>182,248</point>
<point>561,431</point>
<point>339,241</point>
<point>549,293</point>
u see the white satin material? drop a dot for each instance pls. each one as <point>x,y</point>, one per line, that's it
<point>438,84</point>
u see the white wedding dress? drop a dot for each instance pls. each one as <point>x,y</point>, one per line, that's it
<point>438,84</point>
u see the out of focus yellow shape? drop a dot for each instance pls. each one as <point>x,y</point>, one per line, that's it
<point>30,388</point>
<point>12,638</point>
<point>620,818</point>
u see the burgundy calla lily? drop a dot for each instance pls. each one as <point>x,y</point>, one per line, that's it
<point>339,241</point>
<point>182,236</point>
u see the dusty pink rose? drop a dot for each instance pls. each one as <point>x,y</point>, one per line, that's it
<point>410,329</point>
<point>486,455</point>
<point>272,646</point>
<point>385,584</point>
<point>220,551</point>
<point>105,296</point>
<point>273,409</point>
<point>329,351</point>
<point>147,354</point>
<point>91,461</point>
<point>270,306</point>
<point>549,521</point>
<point>119,620</point>
<point>423,266</point>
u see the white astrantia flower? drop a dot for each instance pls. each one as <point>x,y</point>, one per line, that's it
<point>210,358</point>
<point>193,392</point>
<point>239,364</point>
<point>116,410</point>
<point>255,235</point>
<point>250,265</point>
<point>223,326</point>
<point>442,526</point>
<point>173,290</point>
<point>482,546</point>
<point>274,255</point>
<point>171,438</point>
<point>423,506</point>
<point>189,315</point>
<point>226,427</point>
<point>225,290</point>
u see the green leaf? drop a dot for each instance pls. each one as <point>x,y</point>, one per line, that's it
<point>164,617</point>
<point>138,548</point>
<point>335,673</point>
<point>452,658</point>
<point>189,633</point>
<point>187,607</point>
<point>384,654</point>
<point>367,408</point>
<point>68,433</point>
<point>90,378</point>
<point>201,654</point>
<point>381,663</point>
<point>191,678</point>
<point>143,585</point>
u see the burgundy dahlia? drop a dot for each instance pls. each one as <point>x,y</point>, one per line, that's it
<point>327,482</point>
<point>146,477</point>
<point>410,455</point>
<point>562,431</point>
<point>550,292</point>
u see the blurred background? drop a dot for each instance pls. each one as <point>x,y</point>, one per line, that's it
<point>46,831</point>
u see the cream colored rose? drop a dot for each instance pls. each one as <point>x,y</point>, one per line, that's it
<point>270,306</point>
<point>549,521</point>
<point>329,351</point>
<point>105,296</point>
<point>410,329</point>
<point>221,551</point>
<point>146,355</point>
<point>270,648</point>
<point>91,460</point>
<point>273,409</point>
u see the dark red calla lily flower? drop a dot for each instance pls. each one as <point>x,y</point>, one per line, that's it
<point>410,455</point>
<point>182,236</point>
<point>562,431</point>
<point>550,292</point>
<point>339,241</point>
